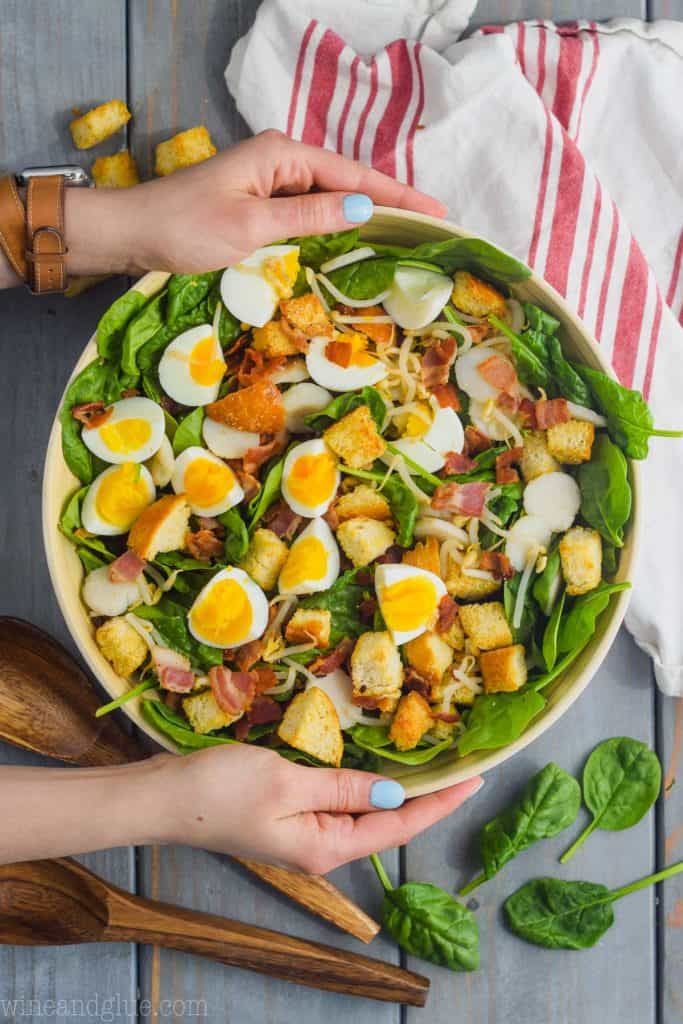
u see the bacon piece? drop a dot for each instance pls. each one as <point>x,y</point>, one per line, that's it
<point>498,564</point>
<point>247,481</point>
<point>447,396</point>
<point>505,474</point>
<point>367,703</point>
<point>254,458</point>
<point>478,332</point>
<point>261,712</point>
<point>210,523</point>
<point>327,663</point>
<point>476,441</point>
<point>436,362</point>
<point>381,334</point>
<point>445,716</point>
<point>331,517</point>
<point>367,609</point>
<point>339,352</point>
<point>551,411</point>
<point>91,414</point>
<point>247,655</point>
<point>447,614</point>
<point>130,393</point>
<point>526,411</point>
<point>126,568</point>
<point>295,335</point>
<point>174,701</point>
<point>264,679</point>
<point>461,499</point>
<point>456,462</point>
<point>172,669</point>
<point>499,372</point>
<point>234,691</point>
<point>258,407</point>
<point>506,403</point>
<point>412,680</point>
<point>282,521</point>
<point>255,367</point>
<point>238,344</point>
<point>203,545</point>
<point>392,556</point>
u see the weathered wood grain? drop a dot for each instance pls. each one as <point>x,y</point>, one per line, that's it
<point>670,850</point>
<point>493,12</point>
<point>666,9</point>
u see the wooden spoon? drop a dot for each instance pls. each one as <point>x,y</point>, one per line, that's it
<point>48,704</point>
<point>59,902</point>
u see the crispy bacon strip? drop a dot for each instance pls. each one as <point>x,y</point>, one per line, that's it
<point>456,462</point>
<point>412,680</point>
<point>282,521</point>
<point>126,568</point>
<point>461,499</point>
<point>339,352</point>
<point>203,545</point>
<point>264,679</point>
<point>447,614</point>
<point>499,372</point>
<point>507,403</point>
<point>172,669</point>
<point>130,393</point>
<point>437,361</point>
<point>261,712</point>
<point>247,655</point>
<point>255,367</point>
<point>258,407</point>
<point>247,481</point>
<point>498,564</point>
<point>505,474</point>
<point>476,441</point>
<point>234,691</point>
<point>447,396</point>
<point>526,411</point>
<point>367,609</point>
<point>478,332</point>
<point>392,556</point>
<point>254,458</point>
<point>381,334</point>
<point>551,411</point>
<point>91,414</point>
<point>444,716</point>
<point>327,663</point>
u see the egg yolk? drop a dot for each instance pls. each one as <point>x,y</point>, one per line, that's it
<point>125,436</point>
<point>350,351</point>
<point>205,366</point>
<point>122,495</point>
<point>207,482</point>
<point>224,615</point>
<point>281,272</point>
<point>306,563</point>
<point>312,479</point>
<point>409,603</point>
<point>418,423</point>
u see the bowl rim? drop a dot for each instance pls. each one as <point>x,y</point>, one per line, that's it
<point>418,780</point>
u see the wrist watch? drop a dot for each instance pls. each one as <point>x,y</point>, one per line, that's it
<point>32,236</point>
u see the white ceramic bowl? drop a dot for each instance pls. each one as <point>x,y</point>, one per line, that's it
<point>391,226</point>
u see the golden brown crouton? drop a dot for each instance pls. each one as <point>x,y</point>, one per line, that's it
<point>272,340</point>
<point>536,459</point>
<point>476,297</point>
<point>362,501</point>
<point>429,655</point>
<point>377,671</point>
<point>425,555</point>
<point>205,714</point>
<point>454,636</point>
<point>364,540</point>
<point>571,442</point>
<point>121,646</point>
<point>265,558</point>
<point>504,670</point>
<point>307,314</point>
<point>99,123</point>
<point>412,720</point>
<point>117,171</point>
<point>311,724</point>
<point>183,150</point>
<point>468,588</point>
<point>160,527</point>
<point>441,730</point>
<point>486,625</point>
<point>355,438</point>
<point>581,558</point>
<point>308,624</point>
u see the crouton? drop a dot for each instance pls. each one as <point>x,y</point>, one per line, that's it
<point>117,171</point>
<point>205,714</point>
<point>454,636</point>
<point>476,297</point>
<point>486,625</point>
<point>183,150</point>
<point>311,724</point>
<point>503,670</point>
<point>272,340</point>
<point>429,655</point>
<point>441,730</point>
<point>307,314</point>
<point>355,438</point>
<point>377,671</point>
<point>258,408</point>
<point>99,123</point>
<point>581,558</point>
<point>412,720</point>
<point>536,459</point>
<point>364,540</point>
<point>265,558</point>
<point>571,442</point>
<point>362,501</point>
<point>425,555</point>
<point>121,646</point>
<point>160,527</point>
<point>308,624</point>
<point>468,588</point>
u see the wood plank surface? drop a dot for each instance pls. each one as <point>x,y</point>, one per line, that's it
<point>670,850</point>
<point>494,12</point>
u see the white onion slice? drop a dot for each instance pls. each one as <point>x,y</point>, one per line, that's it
<point>347,300</point>
<point>347,258</point>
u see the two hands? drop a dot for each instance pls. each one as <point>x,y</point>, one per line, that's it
<point>242,800</point>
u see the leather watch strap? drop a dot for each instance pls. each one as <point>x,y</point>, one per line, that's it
<point>45,245</point>
<point>13,226</point>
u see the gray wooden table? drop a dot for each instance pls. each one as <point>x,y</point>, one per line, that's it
<point>167,57</point>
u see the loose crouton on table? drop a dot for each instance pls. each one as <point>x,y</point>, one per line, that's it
<point>183,150</point>
<point>117,171</point>
<point>98,124</point>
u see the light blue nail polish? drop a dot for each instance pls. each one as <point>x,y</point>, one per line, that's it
<point>387,794</point>
<point>357,208</point>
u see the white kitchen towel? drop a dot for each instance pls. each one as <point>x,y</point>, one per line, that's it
<point>564,144</point>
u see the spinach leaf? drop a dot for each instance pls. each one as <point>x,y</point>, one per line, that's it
<point>539,319</point>
<point>549,803</point>
<point>529,354</point>
<point>317,249</point>
<point>521,634</point>
<point>89,560</point>
<point>497,719</point>
<point>269,493</point>
<point>343,601</point>
<point>610,561</point>
<point>139,331</point>
<point>548,584</point>
<point>605,490</point>
<point>229,328</point>
<point>428,922</point>
<point>97,382</point>
<point>578,625</point>
<point>71,525</point>
<point>185,291</point>
<point>621,781</point>
<point>179,729</point>
<point>364,279</point>
<point>629,419</point>
<point>149,355</point>
<point>135,691</point>
<point>551,633</point>
<point>113,322</point>
<point>404,509</point>
<point>376,739</point>
<point>236,536</point>
<point>356,757</point>
<point>189,432</point>
<point>472,254</point>
<point>346,403</point>
<point>170,620</point>
<point>566,380</point>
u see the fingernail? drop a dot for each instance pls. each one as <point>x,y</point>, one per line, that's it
<point>357,209</point>
<point>387,794</point>
<point>477,787</point>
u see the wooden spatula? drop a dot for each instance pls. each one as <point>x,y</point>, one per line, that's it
<point>59,902</point>
<point>48,704</point>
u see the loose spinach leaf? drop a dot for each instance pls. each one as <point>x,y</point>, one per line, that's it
<point>497,719</point>
<point>549,803</point>
<point>346,403</point>
<point>170,620</point>
<point>376,740</point>
<point>551,634</point>
<point>521,634</point>
<point>317,249</point>
<point>71,525</point>
<point>97,382</point>
<point>179,729</point>
<point>269,493</point>
<point>548,584</point>
<point>343,601</point>
<point>236,536</point>
<point>186,291</point>
<point>472,254</point>
<point>605,490</point>
<point>139,331</point>
<point>366,278</point>
<point>621,781</point>
<point>579,623</point>
<point>189,432</point>
<point>113,322</point>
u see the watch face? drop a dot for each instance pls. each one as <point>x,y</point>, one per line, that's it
<point>72,173</point>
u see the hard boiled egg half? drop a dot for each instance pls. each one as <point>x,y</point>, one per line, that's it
<point>343,364</point>
<point>252,289</point>
<point>310,478</point>
<point>192,367</point>
<point>429,434</point>
<point>116,498</point>
<point>131,432</point>
<point>231,610</point>
<point>210,486</point>
<point>408,599</point>
<point>417,296</point>
<point>313,561</point>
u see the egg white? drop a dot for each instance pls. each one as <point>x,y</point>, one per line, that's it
<point>257,600</point>
<point>446,433</point>
<point>138,408</point>
<point>331,375</point>
<point>525,539</point>
<point>468,377</point>
<point>489,425</point>
<point>301,400</point>
<point>178,481</point>
<point>175,375</point>
<point>339,688</point>
<point>246,292</point>
<point>417,296</point>
<point>90,516</point>
<point>417,451</point>
<point>314,447</point>
<point>555,498</point>
<point>318,529</point>
<point>388,575</point>
<point>227,442</point>
<point>106,598</point>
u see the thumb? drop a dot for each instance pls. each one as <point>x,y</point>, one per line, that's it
<point>315,213</point>
<point>346,791</point>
